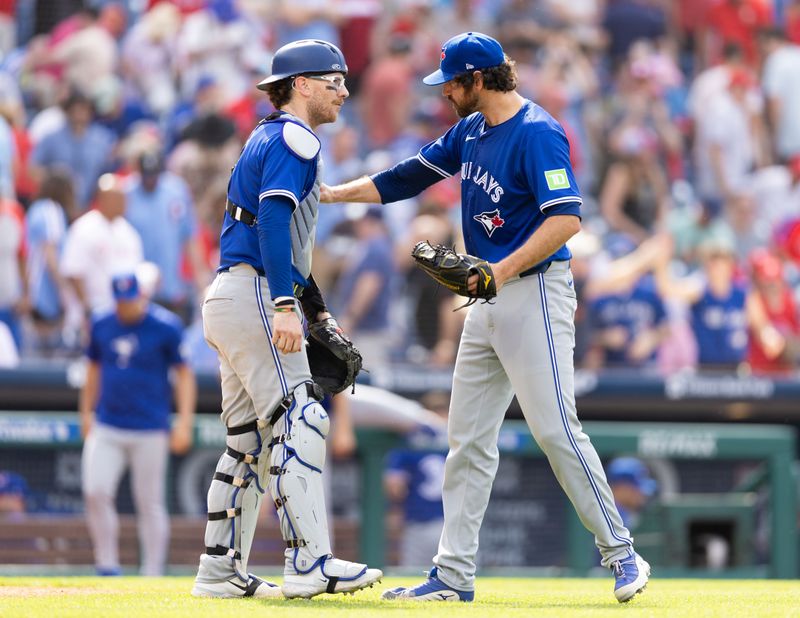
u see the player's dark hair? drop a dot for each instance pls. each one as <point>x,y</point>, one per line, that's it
<point>502,78</point>
<point>280,92</point>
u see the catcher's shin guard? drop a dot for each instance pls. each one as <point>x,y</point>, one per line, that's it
<point>297,459</point>
<point>234,500</point>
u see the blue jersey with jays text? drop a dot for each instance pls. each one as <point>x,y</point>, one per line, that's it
<point>637,310</point>
<point>266,168</point>
<point>720,327</point>
<point>513,175</point>
<point>134,361</point>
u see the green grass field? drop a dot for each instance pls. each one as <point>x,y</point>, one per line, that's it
<point>134,597</point>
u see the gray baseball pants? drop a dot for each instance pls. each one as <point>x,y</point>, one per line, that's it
<point>521,344</point>
<point>107,453</point>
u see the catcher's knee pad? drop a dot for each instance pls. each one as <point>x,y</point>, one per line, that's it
<point>234,499</point>
<point>297,460</point>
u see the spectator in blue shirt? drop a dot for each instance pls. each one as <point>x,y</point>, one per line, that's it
<point>363,293</point>
<point>82,145</point>
<point>46,227</point>
<point>160,208</point>
<point>715,300</point>
<point>627,327</point>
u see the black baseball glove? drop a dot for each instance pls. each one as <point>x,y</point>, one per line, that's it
<point>453,270</point>
<point>334,360</point>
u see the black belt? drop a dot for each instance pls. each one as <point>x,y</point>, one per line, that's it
<point>240,214</point>
<point>538,269</point>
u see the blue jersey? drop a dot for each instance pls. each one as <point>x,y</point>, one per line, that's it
<point>371,256</point>
<point>424,474</point>
<point>636,311</point>
<point>720,327</point>
<point>267,167</point>
<point>134,360</point>
<point>513,175</point>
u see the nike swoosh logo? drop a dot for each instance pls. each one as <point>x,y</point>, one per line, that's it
<point>242,588</point>
<point>470,137</point>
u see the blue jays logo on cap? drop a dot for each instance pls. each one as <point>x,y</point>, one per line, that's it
<point>126,287</point>
<point>469,51</point>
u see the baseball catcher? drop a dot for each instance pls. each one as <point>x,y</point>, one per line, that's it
<point>464,274</point>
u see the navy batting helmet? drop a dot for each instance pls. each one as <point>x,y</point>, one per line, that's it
<point>306,56</point>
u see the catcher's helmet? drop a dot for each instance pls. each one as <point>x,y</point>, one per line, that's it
<point>305,56</point>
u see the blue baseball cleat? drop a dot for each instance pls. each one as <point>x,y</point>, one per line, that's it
<point>432,590</point>
<point>631,575</point>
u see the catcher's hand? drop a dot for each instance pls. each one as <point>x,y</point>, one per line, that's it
<point>453,270</point>
<point>332,357</point>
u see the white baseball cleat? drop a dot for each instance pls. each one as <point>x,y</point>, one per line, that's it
<point>332,576</point>
<point>235,588</point>
<point>631,575</point>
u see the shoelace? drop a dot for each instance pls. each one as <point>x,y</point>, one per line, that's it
<point>619,570</point>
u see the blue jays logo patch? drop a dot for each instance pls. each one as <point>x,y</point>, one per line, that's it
<point>490,220</point>
<point>124,347</point>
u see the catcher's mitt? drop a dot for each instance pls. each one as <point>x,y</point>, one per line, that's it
<point>334,360</point>
<point>453,270</point>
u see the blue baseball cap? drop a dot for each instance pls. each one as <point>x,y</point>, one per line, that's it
<point>12,483</point>
<point>125,287</point>
<point>632,471</point>
<point>470,51</point>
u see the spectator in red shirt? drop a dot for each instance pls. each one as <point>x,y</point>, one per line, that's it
<point>387,95</point>
<point>791,14</point>
<point>772,317</point>
<point>735,21</point>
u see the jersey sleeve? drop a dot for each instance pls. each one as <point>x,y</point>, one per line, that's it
<point>93,347</point>
<point>443,155</point>
<point>174,347</point>
<point>284,174</point>
<point>549,174</point>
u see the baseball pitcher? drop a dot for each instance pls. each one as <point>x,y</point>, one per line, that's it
<point>520,204</point>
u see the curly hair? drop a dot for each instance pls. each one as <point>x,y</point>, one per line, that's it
<point>502,78</point>
<point>280,92</point>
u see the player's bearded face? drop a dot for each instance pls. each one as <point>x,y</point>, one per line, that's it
<point>464,100</point>
<point>325,104</point>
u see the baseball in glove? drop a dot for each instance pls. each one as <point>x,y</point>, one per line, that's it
<point>334,360</point>
<point>453,270</point>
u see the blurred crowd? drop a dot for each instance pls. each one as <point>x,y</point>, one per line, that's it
<point>120,121</point>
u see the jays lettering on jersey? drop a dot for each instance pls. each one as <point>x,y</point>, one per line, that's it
<point>513,175</point>
<point>720,326</point>
<point>134,360</point>
<point>267,167</point>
